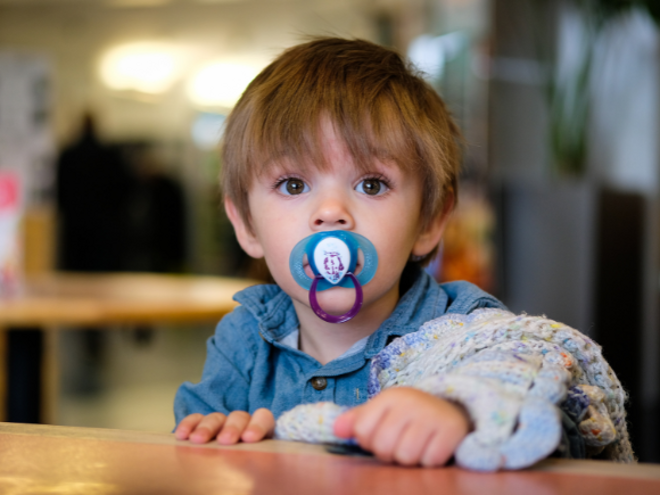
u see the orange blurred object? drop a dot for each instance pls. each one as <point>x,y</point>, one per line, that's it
<point>468,252</point>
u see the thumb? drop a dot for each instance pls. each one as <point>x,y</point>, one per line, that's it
<point>344,424</point>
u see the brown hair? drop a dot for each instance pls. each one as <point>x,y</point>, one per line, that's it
<point>376,102</point>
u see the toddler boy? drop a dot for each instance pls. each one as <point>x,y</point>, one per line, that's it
<point>334,135</point>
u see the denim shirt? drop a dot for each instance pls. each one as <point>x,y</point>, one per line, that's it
<point>247,368</point>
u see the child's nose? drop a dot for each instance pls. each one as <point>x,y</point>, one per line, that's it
<point>332,213</point>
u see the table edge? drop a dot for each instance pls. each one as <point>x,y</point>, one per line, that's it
<point>563,466</point>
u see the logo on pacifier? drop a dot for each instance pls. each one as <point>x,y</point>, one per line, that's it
<point>332,256</point>
<point>333,267</point>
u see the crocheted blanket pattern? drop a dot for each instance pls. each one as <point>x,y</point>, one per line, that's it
<point>514,375</point>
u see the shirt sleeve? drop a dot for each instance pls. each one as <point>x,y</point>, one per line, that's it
<point>225,383</point>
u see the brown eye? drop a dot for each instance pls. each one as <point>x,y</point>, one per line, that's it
<point>372,187</point>
<point>293,187</point>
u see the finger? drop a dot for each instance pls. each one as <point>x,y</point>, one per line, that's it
<point>187,425</point>
<point>233,427</point>
<point>207,428</point>
<point>345,423</point>
<point>413,443</point>
<point>437,451</point>
<point>367,422</point>
<point>261,425</point>
<point>386,437</point>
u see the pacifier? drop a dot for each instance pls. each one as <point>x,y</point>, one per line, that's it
<point>332,256</point>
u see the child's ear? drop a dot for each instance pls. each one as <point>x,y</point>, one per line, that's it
<point>244,234</point>
<point>430,237</point>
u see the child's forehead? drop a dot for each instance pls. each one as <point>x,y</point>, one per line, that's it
<point>334,162</point>
<point>328,143</point>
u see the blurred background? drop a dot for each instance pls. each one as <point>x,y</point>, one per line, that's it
<point>111,111</point>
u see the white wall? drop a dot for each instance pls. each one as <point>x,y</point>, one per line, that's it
<point>74,35</point>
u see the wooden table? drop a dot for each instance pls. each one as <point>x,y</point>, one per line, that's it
<point>64,460</point>
<point>59,300</point>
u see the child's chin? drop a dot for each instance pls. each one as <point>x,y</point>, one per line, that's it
<point>336,301</point>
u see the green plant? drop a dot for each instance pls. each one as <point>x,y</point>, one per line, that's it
<point>568,95</point>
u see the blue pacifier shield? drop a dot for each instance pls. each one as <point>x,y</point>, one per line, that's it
<point>332,256</point>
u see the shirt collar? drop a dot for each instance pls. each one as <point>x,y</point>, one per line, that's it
<point>276,316</point>
<point>292,340</point>
<point>272,308</point>
<point>419,304</point>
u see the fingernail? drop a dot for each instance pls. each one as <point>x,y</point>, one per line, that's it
<point>250,436</point>
<point>226,438</point>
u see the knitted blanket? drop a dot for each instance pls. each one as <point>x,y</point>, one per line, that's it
<point>514,374</point>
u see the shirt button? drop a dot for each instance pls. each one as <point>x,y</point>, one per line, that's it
<point>319,383</point>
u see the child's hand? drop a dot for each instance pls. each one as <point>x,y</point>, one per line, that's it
<point>406,426</point>
<point>228,430</point>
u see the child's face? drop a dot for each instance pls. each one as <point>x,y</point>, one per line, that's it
<point>288,204</point>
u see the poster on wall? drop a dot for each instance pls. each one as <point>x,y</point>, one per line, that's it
<point>26,141</point>
<point>10,249</point>
<point>27,154</point>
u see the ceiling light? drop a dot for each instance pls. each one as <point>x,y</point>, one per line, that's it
<point>221,83</point>
<point>145,67</point>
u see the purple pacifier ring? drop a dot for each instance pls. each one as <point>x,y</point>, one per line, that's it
<point>331,318</point>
